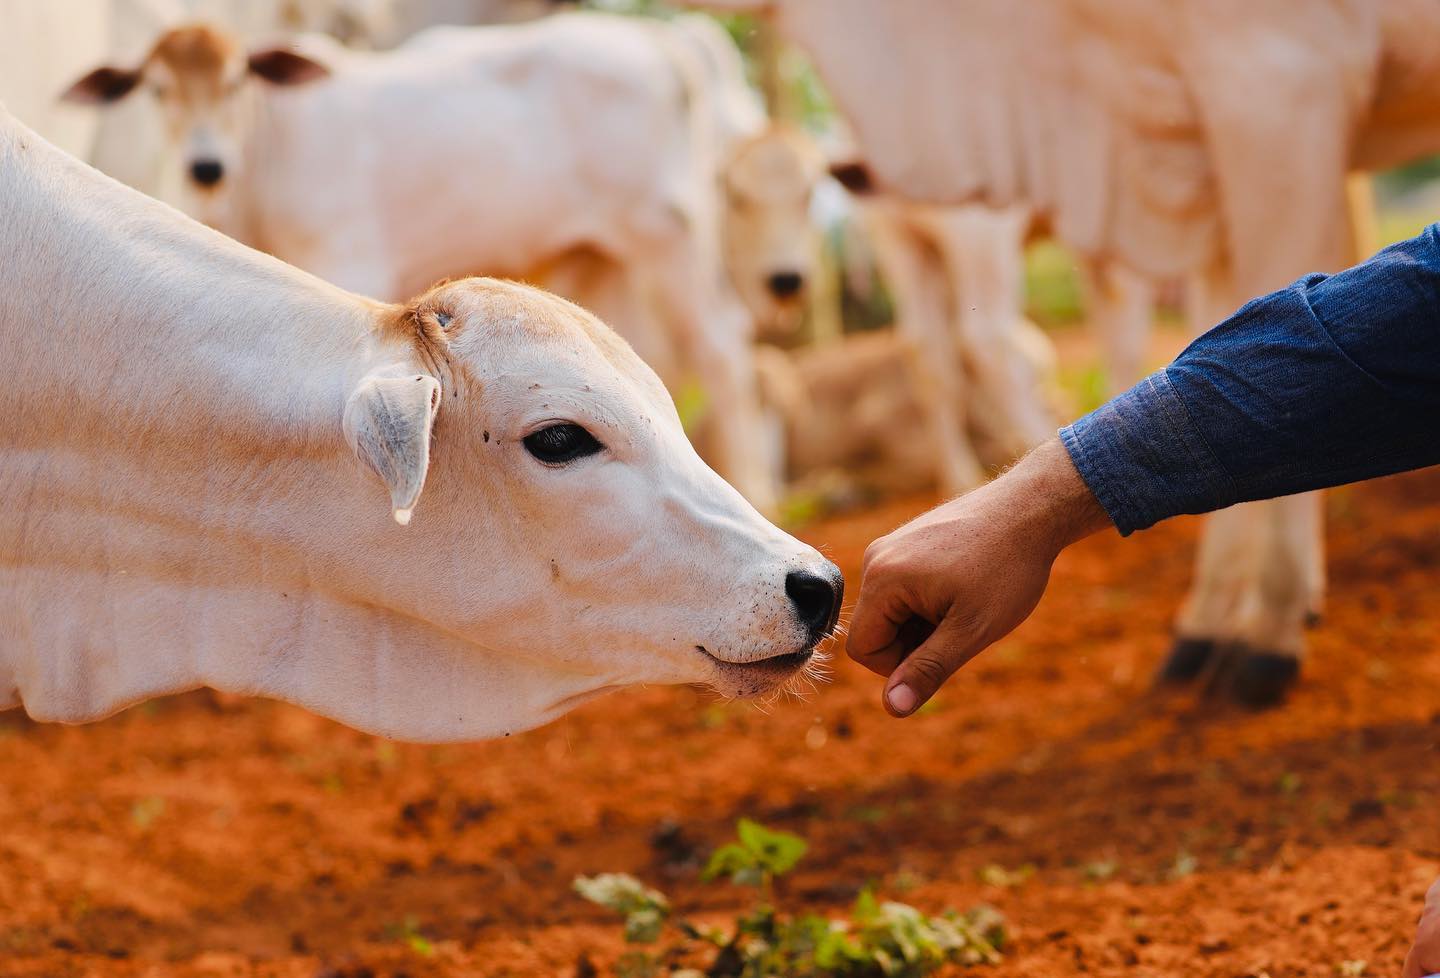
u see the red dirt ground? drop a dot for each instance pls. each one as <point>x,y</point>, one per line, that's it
<point>192,838</point>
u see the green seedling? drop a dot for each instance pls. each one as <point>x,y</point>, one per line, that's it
<point>878,939</point>
<point>757,857</point>
<point>1184,865</point>
<point>996,875</point>
<point>407,932</point>
<point>645,910</point>
<point>145,811</point>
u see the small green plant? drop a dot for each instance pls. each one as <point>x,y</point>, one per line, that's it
<point>1100,869</point>
<point>645,910</point>
<point>996,875</point>
<point>1185,865</point>
<point>145,811</point>
<point>757,857</point>
<point>407,932</point>
<point>878,939</point>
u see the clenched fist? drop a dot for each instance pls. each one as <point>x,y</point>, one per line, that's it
<point>951,582</point>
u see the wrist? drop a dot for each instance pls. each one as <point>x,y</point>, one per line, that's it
<point>1051,500</point>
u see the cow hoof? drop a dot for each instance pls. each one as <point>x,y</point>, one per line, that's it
<point>1188,659</point>
<point>1261,679</point>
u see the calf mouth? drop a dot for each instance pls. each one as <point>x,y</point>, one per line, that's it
<point>762,677</point>
<point>780,664</point>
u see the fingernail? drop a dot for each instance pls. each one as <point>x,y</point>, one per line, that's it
<point>902,698</point>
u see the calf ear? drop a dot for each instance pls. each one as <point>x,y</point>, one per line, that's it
<point>103,86</point>
<point>854,176</point>
<point>282,66</point>
<point>387,422</point>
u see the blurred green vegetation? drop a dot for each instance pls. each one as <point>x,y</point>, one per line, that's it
<point>1405,180</point>
<point>1052,288</point>
<point>1399,225</point>
<point>805,98</point>
<point>1086,385</point>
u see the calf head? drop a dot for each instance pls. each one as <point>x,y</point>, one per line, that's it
<point>771,246</point>
<point>202,79</point>
<point>553,514</point>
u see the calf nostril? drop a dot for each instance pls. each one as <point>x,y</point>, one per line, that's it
<point>785,284</point>
<point>207,173</point>
<point>816,599</point>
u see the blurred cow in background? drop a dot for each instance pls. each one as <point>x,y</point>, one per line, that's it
<point>131,142</point>
<point>410,17</point>
<point>956,275</point>
<point>771,245</point>
<point>473,149</point>
<point>1160,136</point>
<point>43,46</point>
<point>841,415</point>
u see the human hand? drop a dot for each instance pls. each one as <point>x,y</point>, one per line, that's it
<point>1424,956</point>
<point>951,582</point>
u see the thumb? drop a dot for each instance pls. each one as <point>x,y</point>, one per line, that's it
<point>926,669</point>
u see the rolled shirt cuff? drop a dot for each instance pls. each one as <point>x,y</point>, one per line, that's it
<point>1145,460</point>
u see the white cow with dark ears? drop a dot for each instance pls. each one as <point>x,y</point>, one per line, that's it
<point>209,456</point>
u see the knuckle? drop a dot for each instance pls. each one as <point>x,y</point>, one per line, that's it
<point>872,553</point>
<point>880,562</point>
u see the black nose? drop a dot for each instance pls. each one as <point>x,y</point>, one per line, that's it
<point>783,285</point>
<point>206,173</point>
<point>817,598</point>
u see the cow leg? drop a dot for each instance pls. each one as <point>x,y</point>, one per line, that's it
<point>1255,584</point>
<point>1259,575</point>
<point>918,288</point>
<point>1252,597</point>
<point>1121,304</point>
<point>984,252</point>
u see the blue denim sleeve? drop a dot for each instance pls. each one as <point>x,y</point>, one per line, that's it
<point>1331,380</point>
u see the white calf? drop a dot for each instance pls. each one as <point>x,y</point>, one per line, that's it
<point>772,248</point>
<point>203,449</point>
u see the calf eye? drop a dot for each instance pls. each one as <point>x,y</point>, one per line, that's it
<point>561,443</point>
